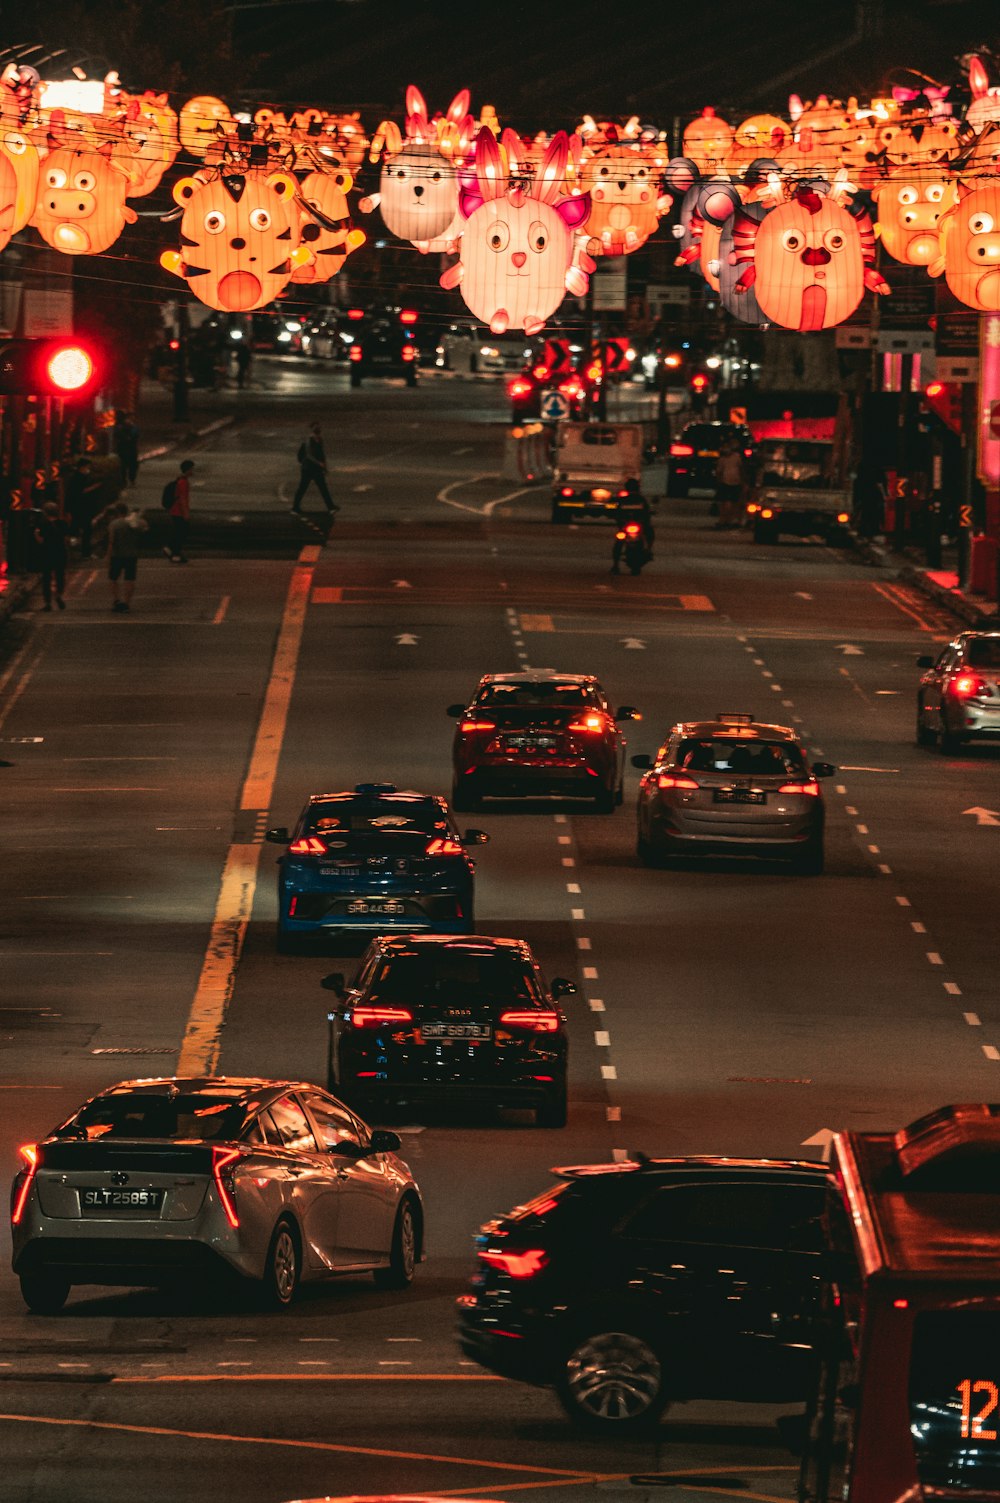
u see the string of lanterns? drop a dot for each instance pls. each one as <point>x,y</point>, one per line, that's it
<point>781,216</point>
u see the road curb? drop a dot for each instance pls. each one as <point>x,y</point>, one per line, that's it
<point>975,612</point>
<point>188,438</point>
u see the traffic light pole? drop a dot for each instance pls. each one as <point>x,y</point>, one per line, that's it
<point>181,412</point>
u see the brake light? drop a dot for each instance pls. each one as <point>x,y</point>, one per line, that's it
<point>439,847</point>
<point>477,725</point>
<point>592,725</point>
<point>408,316</point>
<point>967,684</point>
<point>620,536</point>
<point>540,372</point>
<point>567,490</point>
<point>409,352</point>
<point>571,389</point>
<point>221,1159</point>
<point>843,516</point>
<point>29,1153</point>
<point>307,845</point>
<point>752,509</point>
<point>379,1017</point>
<point>766,513</point>
<point>534,1019</point>
<point>632,529</point>
<point>354,314</point>
<point>681,451</point>
<point>747,453</point>
<point>811,789</point>
<point>520,388</point>
<point>670,780</point>
<point>520,1265</point>
<point>355,353</point>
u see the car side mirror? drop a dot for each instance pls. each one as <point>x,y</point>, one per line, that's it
<point>277,836</point>
<point>384,1141</point>
<point>627,712</point>
<point>823,770</point>
<point>562,988</point>
<point>455,711</point>
<point>643,762</point>
<point>925,660</point>
<point>334,983</point>
<point>345,1148</point>
<point>475,837</point>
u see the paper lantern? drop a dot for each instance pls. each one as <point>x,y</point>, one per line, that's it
<point>985,106</point>
<point>626,202</point>
<point>19,90</point>
<point>983,159</point>
<point>718,199</point>
<point>707,142</point>
<point>970,247</point>
<point>201,120</point>
<point>148,128</point>
<point>240,233</point>
<point>910,207</point>
<point>327,232</point>
<point>809,260</point>
<point>741,304</point>
<point>919,141</point>
<point>517,250</point>
<point>418,188</point>
<point>757,136</point>
<point>81,206</point>
<point>22,154</point>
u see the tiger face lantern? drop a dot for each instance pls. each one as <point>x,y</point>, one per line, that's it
<point>809,260</point>
<point>81,208</point>
<point>970,248</point>
<point>240,235</point>
<point>327,232</point>
<point>911,206</point>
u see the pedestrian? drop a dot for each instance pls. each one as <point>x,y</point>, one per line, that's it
<point>244,360</point>
<point>728,482</point>
<point>81,493</point>
<point>50,535</point>
<point>312,464</point>
<point>125,441</point>
<point>177,501</point>
<point>124,532</point>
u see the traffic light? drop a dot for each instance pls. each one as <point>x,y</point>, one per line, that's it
<point>65,368</point>
<point>944,398</point>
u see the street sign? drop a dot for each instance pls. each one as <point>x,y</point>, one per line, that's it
<point>557,357</point>
<point>963,369</point>
<point>555,407</point>
<point>609,284</point>
<point>965,515</point>
<point>616,355</point>
<point>853,337</point>
<point>738,415</point>
<point>904,342</point>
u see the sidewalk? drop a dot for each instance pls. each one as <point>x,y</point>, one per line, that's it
<point>939,584</point>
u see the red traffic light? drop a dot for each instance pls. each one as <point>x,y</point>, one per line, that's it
<point>69,368</point>
<point>699,381</point>
<point>408,316</point>
<point>62,368</point>
<point>944,398</point>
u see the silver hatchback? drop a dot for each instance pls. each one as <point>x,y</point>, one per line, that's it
<point>170,1181</point>
<point>731,786</point>
<point>959,694</point>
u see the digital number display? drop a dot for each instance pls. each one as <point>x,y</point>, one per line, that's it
<point>955,1401</point>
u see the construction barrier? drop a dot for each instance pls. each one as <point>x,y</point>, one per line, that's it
<point>527,454</point>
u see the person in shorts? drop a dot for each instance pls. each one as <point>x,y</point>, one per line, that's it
<point>125,530</point>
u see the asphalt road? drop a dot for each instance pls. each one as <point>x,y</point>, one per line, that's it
<point>725,1008</point>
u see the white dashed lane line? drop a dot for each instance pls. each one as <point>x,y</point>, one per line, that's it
<point>991,1051</point>
<point>973,1019</point>
<point>952,990</point>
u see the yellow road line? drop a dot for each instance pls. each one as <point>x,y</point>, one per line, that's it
<point>199,1053</point>
<point>536,623</point>
<point>163,1378</point>
<point>696,603</point>
<point>898,597</point>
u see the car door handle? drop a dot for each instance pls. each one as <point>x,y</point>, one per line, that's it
<point>296,1173</point>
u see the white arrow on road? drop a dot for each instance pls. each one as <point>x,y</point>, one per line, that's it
<point>632,642</point>
<point>849,650</point>
<point>401,584</point>
<point>822,1140</point>
<point>984,816</point>
<point>405,639</point>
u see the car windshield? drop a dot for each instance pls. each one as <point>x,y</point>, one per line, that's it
<point>549,692</point>
<point>983,652</point>
<point>452,974</point>
<point>740,757</point>
<point>388,820</point>
<point>198,1117</point>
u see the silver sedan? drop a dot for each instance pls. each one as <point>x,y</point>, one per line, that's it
<point>164,1181</point>
<point>959,694</point>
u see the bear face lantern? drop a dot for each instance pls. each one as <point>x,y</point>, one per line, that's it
<point>622,178</point>
<point>81,208</point>
<point>970,248</point>
<point>418,187</point>
<point>517,249</point>
<point>240,233</point>
<point>809,260</point>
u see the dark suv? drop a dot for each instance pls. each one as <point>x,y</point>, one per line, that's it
<point>626,1286</point>
<point>695,450</point>
<point>383,347</point>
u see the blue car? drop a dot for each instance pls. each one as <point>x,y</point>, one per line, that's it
<point>378,859</point>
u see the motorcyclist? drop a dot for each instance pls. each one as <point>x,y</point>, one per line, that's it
<point>632,507</point>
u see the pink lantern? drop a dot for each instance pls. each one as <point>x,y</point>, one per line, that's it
<point>418,188</point>
<point>517,250</point>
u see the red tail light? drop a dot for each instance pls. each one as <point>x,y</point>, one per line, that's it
<point>620,536</point>
<point>766,513</point>
<point>534,1019</point>
<point>633,529</point>
<point>438,847</point>
<point>670,780</point>
<point>595,373</point>
<point>571,389</point>
<point>379,1017</point>
<point>308,845</point>
<point>408,316</point>
<point>681,451</point>
<point>354,314</point>
<point>29,1153</point>
<point>567,490</point>
<point>747,453</point>
<point>355,353</point>
<point>222,1158</point>
<point>540,372</point>
<point>811,789</point>
<point>843,517</point>
<point>591,725</point>
<point>477,725</point>
<point>520,1265</point>
<point>967,684</point>
<point>520,388</point>
<point>409,352</point>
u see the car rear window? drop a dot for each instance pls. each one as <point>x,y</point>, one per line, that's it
<point>983,652</point>
<point>195,1118</point>
<point>741,758</point>
<point>802,464</point>
<point>447,974</point>
<point>549,692</point>
<point>385,820</point>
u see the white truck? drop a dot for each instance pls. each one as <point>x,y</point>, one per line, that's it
<point>591,464</point>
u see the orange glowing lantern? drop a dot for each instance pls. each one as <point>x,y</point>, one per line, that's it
<point>240,233</point>
<point>81,206</point>
<point>757,136</point>
<point>911,206</point>
<point>919,141</point>
<point>970,247</point>
<point>22,154</point>
<point>326,228</point>
<point>517,249</point>
<point>622,178</point>
<point>202,119</point>
<point>707,142</point>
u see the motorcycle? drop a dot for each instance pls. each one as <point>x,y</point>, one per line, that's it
<point>631,546</point>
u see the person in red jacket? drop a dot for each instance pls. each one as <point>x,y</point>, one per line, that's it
<point>180,514</point>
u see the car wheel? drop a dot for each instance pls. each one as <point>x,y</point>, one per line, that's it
<point>44,1293</point>
<point>605,801</point>
<point>949,741</point>
<point>809,861</point>
<point>554,1109</point>
<point>612,1382</point>
<point>282,1268</point>
<point>403,1254</point>
<point>925,736</point>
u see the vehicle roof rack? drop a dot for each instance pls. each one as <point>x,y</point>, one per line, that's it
<point>727,717</point>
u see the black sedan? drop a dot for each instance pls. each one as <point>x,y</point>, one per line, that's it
<point>436,1019</point>
<point>694,452</point>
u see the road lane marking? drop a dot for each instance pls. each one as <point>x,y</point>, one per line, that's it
<point>885,870</point>
<point>564,839</point>
<point>972,1018</point>
<point>596,1004</point>
<point>862,829</point>
<point>199,1053</point>
<point>934,957</point>
<point>991,1051</point>
<point>875,850</point>
<point>19,687</point>
<point>903,902</point>
<point>952,989</point>
<point>766,673</point>
<point>576,914</point>
<point>613,1114</point>
<point>220,614</point>
<point>568,861</point>
<point>917,927</point>
<point>608,1072</point>
<point>572,887</point>
<point>536,623</point>
<point>328,595</point>
<point>590,973</point>
<point>696,603</point>
<point>602,1038</point>
<point>583,944</point>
